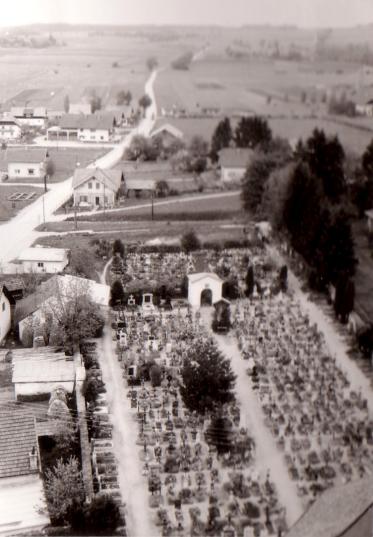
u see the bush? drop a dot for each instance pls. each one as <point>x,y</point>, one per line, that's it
<point>190,242</point>
<point>182,63</point>
<point>155,374</point>
<point>100,517</point>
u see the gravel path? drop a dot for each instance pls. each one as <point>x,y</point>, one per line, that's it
<point>132,484</point>
<point>267,456</point>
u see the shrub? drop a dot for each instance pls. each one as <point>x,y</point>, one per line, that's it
<point>190,242</point>
<point>155,375</point>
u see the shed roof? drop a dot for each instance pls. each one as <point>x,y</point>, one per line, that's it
<point>335,510</point>
<point>43,254</point>
<point>17,439</point>
<point>32,156</point>
<point>90,121</point>
<point>139,183</point>
<point>233,157</point>
<point>110,178</point>
<point>9,120</point>
<point>51,368</point>
<point>29,111</point>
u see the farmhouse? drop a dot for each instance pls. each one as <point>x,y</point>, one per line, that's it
<point>26,163</point>
<point>43,260</point>
<point>21,489</point>
<point>167,134</point>
<point>233,163</point>
<point>84,128</point>
<point>7,302</point>
<point>344,511</point>
<point>204,289</point>
<point>96,187</point>
<point>10,128</point>
<point>32,117</point>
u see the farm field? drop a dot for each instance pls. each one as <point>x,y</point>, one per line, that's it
<point>351,138</point>
<point>11,207</point>
<point>90,61</point>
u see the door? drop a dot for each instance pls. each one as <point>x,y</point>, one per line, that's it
<point>206,297</point>
<point>97,200</point>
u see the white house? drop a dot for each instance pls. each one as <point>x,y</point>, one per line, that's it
<point>21,487</point>
<point>10,128</point>
<point>233,162</point>
<point>204,288</point>
<point>84,128</point>
<point>26,163</point>
<point>39,259</point>
<point>31,116</point>
<point>6,303</point>
<point>96,187</point>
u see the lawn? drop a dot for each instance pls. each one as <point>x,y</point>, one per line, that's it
<point>142,231</point>
<point>228,206</point>
<point>8,207</point>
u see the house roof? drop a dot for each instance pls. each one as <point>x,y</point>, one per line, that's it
<point>29,111</point>
<point>110,178</point>
<point>233,157</point>
<point>193,278</point>
<point>90,121</point>
<point>32,156</point>
<point>53,368</point>
<point>168,128</point>
<point>43,254</point>
<point>335,510</point>
<point>14,284</point>
<point>17,439</point>
<point>9,120</point>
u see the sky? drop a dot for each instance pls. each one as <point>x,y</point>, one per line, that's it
<point>306,13</point>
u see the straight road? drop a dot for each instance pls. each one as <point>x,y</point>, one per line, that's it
<point>19,233</point>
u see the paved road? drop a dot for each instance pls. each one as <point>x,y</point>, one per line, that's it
<point>19,233</point>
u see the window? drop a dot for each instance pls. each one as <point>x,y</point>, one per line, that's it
<point>3,306</point>
<point>40,264</point>
<point>90,185</point>
<point>83,198</point>
<point>31,171</point>
<point>97,186</point>
<point>17,171</point>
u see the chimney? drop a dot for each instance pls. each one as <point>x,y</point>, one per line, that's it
<point>33,456</point>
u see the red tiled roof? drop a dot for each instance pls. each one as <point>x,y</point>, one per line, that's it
<point>17,439</point>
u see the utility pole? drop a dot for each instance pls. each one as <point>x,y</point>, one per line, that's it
<point>152,204</point>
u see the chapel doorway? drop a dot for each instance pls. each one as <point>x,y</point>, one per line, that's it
<point>206,297</point>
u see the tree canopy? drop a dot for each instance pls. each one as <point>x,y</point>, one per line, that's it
<point>207,378</point>
<point>252,131</point>
<point>222,137</point>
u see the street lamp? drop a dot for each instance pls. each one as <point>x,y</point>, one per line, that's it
<point>45,188</point>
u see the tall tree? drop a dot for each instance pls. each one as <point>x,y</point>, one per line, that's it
<point>325,157</point>
<point>367,161</point>
<point>222,137</point>
<point>116,293</point>
<point>118,248</point>
<point>302,210</point>
<point>253,131</point>
<point>207,378</point>
<point>344,298</point>
<point>339,249</point>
